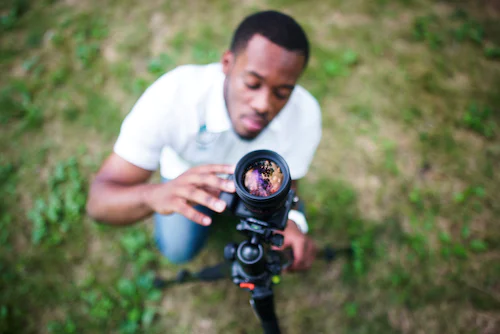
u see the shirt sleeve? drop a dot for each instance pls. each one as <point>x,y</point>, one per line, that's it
<point>146,129</point>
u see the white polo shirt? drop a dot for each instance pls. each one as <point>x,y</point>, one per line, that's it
<point>181,121</point>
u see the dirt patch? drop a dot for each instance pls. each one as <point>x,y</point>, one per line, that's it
<point>161,32</point>
<point>204,325</point>
<point>459,82</point>
<point>109,52</point>
<point>367,145</point>
<point>347,20</point>
<point>400,319</point>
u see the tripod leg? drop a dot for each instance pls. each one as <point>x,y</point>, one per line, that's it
<point>263,304</point>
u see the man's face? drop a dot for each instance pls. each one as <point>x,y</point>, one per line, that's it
<point>259,82</point>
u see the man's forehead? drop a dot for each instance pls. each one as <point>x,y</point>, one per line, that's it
<point>267,58</point>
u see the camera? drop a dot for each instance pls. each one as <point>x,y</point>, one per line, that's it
<point>263,195</point>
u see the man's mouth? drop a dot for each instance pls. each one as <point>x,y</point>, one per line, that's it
<point>253,124</point>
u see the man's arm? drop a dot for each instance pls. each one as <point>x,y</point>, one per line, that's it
<point>119,194</point>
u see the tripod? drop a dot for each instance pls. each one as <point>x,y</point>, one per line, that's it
<point>254,267</point>
<point>255,270</point>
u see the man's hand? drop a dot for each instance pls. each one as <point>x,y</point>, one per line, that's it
<point>198,185</point>
<point>304,248</point>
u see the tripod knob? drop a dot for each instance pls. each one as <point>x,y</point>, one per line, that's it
<point>230,251</point>
<point>277,240</point>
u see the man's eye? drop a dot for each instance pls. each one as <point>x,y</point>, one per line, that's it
<point>281,96</point>
<point>252,86</point>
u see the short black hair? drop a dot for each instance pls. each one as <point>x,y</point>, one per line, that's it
<point>277,27</point>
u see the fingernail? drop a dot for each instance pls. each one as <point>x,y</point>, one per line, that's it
<point>207,221</point>
<point>220,205</point>
<point>230,186</point>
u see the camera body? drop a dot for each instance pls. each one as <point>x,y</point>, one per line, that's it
<point>276,220</point>
<point>263,195</point>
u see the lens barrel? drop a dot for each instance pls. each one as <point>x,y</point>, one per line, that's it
<point>259,205</point>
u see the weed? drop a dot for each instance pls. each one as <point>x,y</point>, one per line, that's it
<point>67,327</point>
<point>8,180</point>
<point>411,115</point>
<point>427,29</point>
<point>338,64</point>
<point>71,113</point>
<point>362,112</point>
<point>432,30</point>
<point>140,85</point>
<point>390,154</point>
<point>61,209</point>
<point>351,309</point>
<point>480,120</point>
<point>34,39</point>
<point>161,64</point>
<point>492,52</point>
<point>83,35</point>
<point>478,245</point>
<point>10,17</point>
<point>134,243</point>
<point>133,300</point>
<point>179,41</point>
<point>60,76</point>
<point>17,104</point>
<point>469,193</point>
<point>86,53</point>
<point>469,31</point>
<point>29,64</point>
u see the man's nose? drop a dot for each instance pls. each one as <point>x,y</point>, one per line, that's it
<point>261,102</point>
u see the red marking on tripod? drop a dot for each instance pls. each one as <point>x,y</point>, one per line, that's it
<point>250,286</point>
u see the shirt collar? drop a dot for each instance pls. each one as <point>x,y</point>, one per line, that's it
<point>277,123</point>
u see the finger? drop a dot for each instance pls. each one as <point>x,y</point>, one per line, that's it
<point>190,213</point>
<point>202,197</point>
<point>298,256</point>
<point>311,251</point>
<point>214,169</point>
<point>210,181</point>
<point>212,191</point>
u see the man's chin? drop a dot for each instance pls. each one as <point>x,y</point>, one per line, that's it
<point>247,135</point>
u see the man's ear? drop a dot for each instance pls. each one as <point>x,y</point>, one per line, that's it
<point>227,61</point>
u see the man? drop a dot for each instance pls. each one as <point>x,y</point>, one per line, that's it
<point>196,122</point>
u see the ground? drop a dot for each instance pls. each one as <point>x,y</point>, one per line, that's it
<point>406,172</point>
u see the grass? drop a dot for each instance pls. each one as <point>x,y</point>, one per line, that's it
<point>405,172</point>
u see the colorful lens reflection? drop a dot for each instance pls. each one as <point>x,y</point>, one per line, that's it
<point>263,178</point>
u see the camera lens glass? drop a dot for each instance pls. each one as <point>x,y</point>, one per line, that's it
<point>263,178</point>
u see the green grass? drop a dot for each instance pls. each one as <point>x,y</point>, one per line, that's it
<point>406,172</point>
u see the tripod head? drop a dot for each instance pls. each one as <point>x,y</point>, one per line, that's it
<point>254,261</point>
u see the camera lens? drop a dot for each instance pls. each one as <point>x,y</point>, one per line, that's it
<point>263,178</point>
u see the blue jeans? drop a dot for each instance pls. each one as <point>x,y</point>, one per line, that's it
<point>179,238</point>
